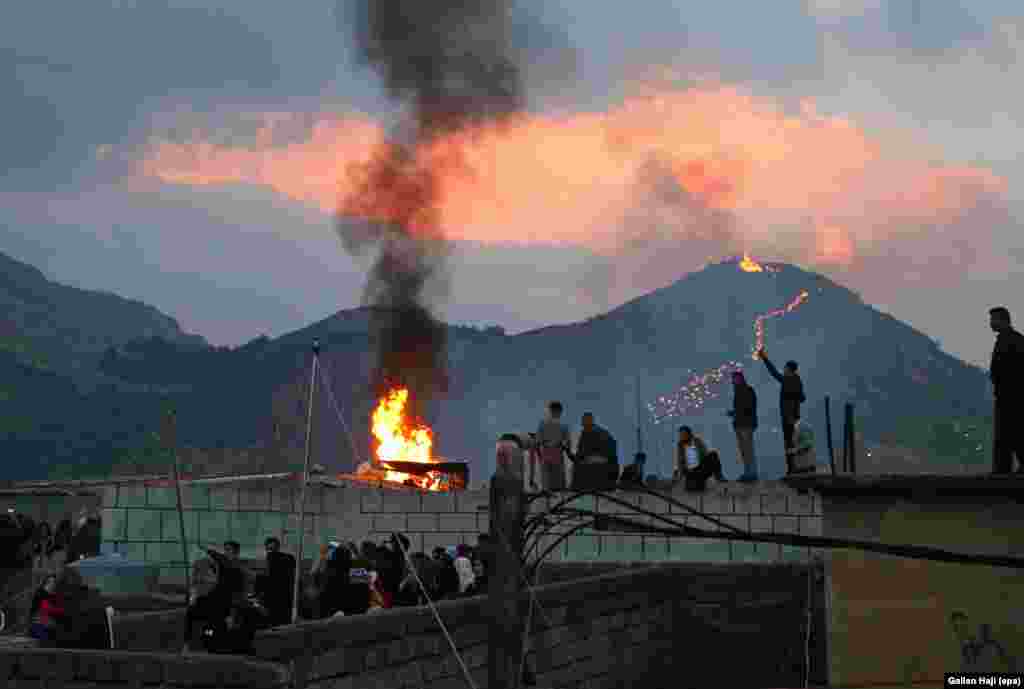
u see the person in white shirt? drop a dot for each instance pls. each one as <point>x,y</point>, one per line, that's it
<point>694,462</point>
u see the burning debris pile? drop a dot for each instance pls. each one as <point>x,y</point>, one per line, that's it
<point>451,65</point>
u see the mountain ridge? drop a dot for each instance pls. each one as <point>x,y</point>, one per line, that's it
<point>847,349</point>
<point>614,364</point>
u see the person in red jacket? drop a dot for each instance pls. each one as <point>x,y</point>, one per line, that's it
<point>47,611</point>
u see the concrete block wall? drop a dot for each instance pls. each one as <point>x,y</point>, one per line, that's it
<point>80,669</point>
<point>628,627</point>
<point>160,630</point>
<point>142,522</point>
<point>621,629</point>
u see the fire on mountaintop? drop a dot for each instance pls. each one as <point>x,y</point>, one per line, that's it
<point>750,265</point>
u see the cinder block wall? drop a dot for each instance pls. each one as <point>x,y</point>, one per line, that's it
<point>739,625</point>
<point>38,667</point>
<point>731,625</point>
<point>143,522</point>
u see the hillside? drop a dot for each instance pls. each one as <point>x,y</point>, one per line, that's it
<point>53,326</point>
<point>907,391</point>
<point>56,408</point>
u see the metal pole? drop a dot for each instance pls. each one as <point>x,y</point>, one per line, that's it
<point>853,440</point>
<point>305,482</point>
<point>171,440</point>
<point>828,430</point>
<point>846,438</point>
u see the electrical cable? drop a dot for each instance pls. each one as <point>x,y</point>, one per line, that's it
<point>437,616</point>
<point>337,411</point>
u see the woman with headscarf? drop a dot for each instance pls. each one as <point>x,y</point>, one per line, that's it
<point>47,611</point>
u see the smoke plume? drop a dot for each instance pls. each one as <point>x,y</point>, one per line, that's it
<point>453,66</point>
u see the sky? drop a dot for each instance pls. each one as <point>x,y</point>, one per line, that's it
<point>193,155</point>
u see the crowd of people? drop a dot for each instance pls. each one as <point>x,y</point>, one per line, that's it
<point>595,462</point>
<point>23,542</point>
<point>229,602</point>
<point>26,545</point>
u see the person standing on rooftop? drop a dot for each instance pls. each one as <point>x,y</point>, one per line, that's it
<point>1007,375</point>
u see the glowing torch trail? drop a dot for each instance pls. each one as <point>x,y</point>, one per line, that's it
<point>702,388</point>
<point>759,323</point>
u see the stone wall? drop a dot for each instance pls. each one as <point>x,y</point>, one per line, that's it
<point>673,625</point>
<point>159,630</point>
<point>36,668</point>
<point>739,625</point>
<point>142,522</point>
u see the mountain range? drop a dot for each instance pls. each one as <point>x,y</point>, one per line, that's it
<point>85,387</point>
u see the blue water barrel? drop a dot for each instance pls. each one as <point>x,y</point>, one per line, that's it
<point>114,574</point>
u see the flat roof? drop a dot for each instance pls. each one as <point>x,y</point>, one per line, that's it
<point>914,487</point>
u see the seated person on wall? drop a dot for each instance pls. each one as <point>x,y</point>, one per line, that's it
<point>695,464</point>
<point>802,458</point>
<point>596,461</point>
<point>633,474</point>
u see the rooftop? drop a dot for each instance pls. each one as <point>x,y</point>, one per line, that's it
<point>913,486</point>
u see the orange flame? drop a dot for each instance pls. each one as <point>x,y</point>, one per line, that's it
<point>750,265</point>
<point>400,441</point>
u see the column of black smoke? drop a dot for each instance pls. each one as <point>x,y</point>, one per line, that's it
<point>452,64</point>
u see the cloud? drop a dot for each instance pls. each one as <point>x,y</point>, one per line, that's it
<point>74,76</point>
<point>655,166</point>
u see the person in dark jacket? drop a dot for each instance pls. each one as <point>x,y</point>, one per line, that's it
<point>235,575</point>
<point>744,422</point>
<point>791,396</point>
<point>447,575</point>
<point>334,597</point>
<point>276,587</point>
<point>633,474</point>
<point>594,445</point>
<point>1007,375</point>
<point>356,599</point>
<point>210,599</point>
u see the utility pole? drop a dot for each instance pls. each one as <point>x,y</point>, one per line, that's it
<point>170,433</point>
<point>305,481</point>
<point>505,643</point>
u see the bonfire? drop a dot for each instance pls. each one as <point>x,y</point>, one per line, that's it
<point>400,440</point>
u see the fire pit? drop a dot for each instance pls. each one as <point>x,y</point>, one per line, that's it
<point>404,450</point>
<point>454,474</point>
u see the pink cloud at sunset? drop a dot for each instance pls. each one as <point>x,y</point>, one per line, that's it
<point>798,185</point>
